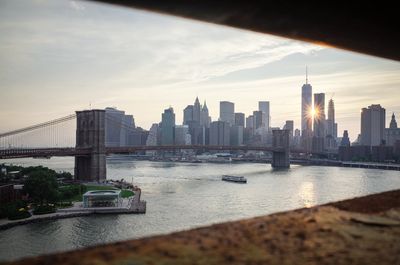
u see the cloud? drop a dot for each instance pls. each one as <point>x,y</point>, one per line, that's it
<point>142,62</point>
<point>77,6</point>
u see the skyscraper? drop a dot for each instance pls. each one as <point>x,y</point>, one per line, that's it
<point>182,136</point>
<point>196,111</point>
<point>219,133</point>
<point>258,119</point>
<point>319,115</point>
<point>392,134</point>
<point>204,116</point>
<point>167,127</point>
<point>188,114</point>
<point>393,122</point>
<point>372,125</point>
<point>114,119</point>
<point>345,139</point>
<point>239,119</point>
<point>250,122</point>
<point>263,106</point>
<point>331,126</point>
<point>289,125</point>
<point>306,106</point>
<point>227,112</point>
<point>120,129</point>
<point>153,138</point>
<point>297,138</point>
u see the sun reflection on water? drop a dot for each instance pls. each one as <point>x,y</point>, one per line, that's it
<point>307,194</point>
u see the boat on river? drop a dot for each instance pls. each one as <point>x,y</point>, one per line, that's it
<point>237,179</point>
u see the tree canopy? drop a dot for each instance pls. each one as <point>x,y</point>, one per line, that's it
<point>41,185</point>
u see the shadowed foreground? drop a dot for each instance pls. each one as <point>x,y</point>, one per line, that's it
<point>364,230</point>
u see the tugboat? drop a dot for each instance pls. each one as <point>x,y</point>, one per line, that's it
<point>237,179</point>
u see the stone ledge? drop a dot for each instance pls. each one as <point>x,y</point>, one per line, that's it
<point>319,235</point>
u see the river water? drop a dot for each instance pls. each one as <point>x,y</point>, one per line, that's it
<point>183,195</point>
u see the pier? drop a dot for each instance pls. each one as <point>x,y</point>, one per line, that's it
<point>372,165</point>
<point>132,205</point>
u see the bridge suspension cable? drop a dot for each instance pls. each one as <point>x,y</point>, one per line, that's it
<point>55,133</point>
<point>121,123</point>
<point>38,126</point>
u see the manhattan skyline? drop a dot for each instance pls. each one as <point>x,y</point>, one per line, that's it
<point>99,56</point>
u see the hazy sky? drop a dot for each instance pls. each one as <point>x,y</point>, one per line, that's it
<point>60,56</point>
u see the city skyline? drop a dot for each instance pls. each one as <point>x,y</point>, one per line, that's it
<point>68,63</point>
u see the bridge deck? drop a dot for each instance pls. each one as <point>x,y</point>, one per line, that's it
<point>72,151</point>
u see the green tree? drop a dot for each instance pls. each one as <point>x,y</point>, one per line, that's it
<point>41,185</point>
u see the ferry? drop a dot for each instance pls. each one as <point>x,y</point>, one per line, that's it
<point>237,179</point>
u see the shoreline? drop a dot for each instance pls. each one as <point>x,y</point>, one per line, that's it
<point>326,163</point>
<point>40,218</point>
<point>137,207</point>
<point>361,230</point>
<point>56,216</point>
<point>293,161</point>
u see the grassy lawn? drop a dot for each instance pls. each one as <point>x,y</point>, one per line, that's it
<point>127,193</point>
<point>94,187</point>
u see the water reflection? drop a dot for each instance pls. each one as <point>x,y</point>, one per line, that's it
<point>307,194</point>
<point>183,196</point>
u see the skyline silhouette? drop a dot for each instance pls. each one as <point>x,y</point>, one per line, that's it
<point>64,56</point>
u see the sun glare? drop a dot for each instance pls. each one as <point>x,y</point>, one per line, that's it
<point>315,113</point>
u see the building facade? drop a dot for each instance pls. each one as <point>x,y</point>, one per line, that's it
<point>263,106</point>
<point>236,135</point>
<point>392,134</point>
<point>331,125</point>
<point>372,125</point>
<point>182,136</point>
<point>239,119</point>
<point>120,129</point>
<point>168,127</point>
<point>345,139</point>
<point>227,112</point>
<point>188,114</point>
<point>220,133</point>
<point>319,115</point>
<point>258,119</point>
<point>306,106</point>
<point>196,111</point>
<point>205,118</point>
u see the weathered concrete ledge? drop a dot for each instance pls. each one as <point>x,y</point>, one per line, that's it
<point>363,230</point>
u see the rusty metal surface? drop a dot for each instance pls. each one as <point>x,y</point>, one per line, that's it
<point>320,235</point>
<point>369,28</point>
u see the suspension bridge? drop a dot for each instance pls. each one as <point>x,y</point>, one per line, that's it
<point>83,136</point>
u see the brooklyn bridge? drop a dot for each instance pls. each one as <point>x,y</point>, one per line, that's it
<point>88,144</point>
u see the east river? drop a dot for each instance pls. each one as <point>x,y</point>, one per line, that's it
<point>183,195</point>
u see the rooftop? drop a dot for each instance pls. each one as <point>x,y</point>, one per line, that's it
<point>102,192</point>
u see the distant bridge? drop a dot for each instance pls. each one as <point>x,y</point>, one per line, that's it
<point>72,151</point>
<point>88,145</point>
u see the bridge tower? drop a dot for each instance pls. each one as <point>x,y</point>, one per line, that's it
<point>90,133</point>
<point>280,142</point>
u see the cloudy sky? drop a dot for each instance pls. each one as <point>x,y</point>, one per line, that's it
<point>59,56</point>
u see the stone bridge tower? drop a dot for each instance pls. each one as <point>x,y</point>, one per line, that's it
<point>280,142</point>
<point>90,133</point>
